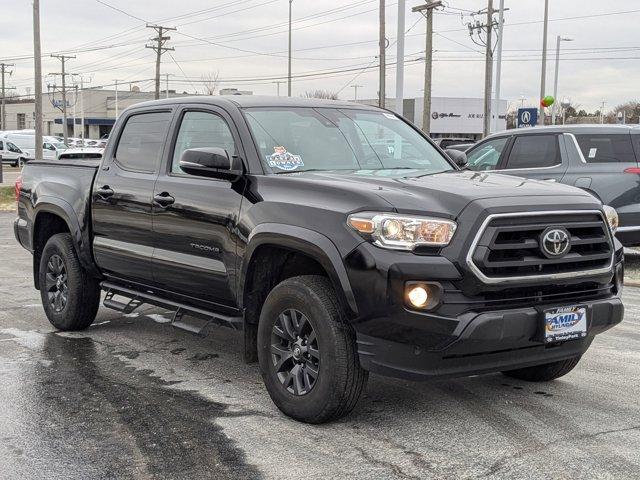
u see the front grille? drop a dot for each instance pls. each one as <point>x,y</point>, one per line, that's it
<point>509,246</point>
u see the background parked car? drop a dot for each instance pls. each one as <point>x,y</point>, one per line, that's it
<point>602,159</point>
<point>461,147</point>
<point>448,142</point>
<point>11,153</point>
<point>81,154</point>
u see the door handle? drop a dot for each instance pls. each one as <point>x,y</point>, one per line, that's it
<point>550,179</point>
<point>163,199</point>
<point>105,192</point>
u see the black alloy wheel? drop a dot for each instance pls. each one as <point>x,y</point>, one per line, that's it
<point>294,352</point>
<point>57,283</point>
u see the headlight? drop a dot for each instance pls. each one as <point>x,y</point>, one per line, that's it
<point>612,217</point>
<point>402,232</point>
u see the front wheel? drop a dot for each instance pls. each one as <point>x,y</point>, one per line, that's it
<point>545,372</point>
<point>70,297</point>
<point>307,351</point>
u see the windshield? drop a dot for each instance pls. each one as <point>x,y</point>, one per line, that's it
<point>300,139</point>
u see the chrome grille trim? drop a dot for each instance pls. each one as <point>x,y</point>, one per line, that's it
<point>535,278</point>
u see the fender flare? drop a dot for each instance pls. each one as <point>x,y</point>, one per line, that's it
<point>306,241</point>
<point>64,210</point>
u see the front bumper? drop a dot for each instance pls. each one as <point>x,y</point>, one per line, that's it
<point>484,342</point>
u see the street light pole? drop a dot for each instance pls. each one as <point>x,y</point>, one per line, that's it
<point>382,39</point>
<point>400,59</point>
<point>543,73</point>
<point>555,79</point>
<point>289,70</point>
<point>37,67</point>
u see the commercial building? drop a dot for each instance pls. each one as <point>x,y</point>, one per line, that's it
<point>450,116</point>
<point>91,111</point>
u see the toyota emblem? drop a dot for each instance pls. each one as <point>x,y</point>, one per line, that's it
<point>555,242</point>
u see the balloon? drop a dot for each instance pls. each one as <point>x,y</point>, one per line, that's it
<point>548,101</point>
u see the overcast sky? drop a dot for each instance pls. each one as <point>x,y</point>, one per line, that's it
<point>245,42</point>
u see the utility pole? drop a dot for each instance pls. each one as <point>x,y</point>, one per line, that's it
<point>159,48</point>
<point>602,111</point>
<point>355,92</point>
<point>278,82</point>
<point>382,88</point>
<point>64,74</point>
<point>166,84</point>
<point>487,43</point>
<point>488,72</point>
<point>289,66</point>
<point>37,70</point>
<point>400,59</point>
<point>496,118</point>
<point>427,11</point>
<point>543,73</point>
<point>3,118</point>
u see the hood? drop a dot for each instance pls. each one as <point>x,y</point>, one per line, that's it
<point>444,194</point>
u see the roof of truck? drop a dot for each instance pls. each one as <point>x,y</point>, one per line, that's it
<point>243,101</point>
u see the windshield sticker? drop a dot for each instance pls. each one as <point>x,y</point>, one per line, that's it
<point>392,117</point>
<point>593,152</point>
<point>284,160</point>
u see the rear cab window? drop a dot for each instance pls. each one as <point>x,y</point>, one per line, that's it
<point>606,148</point>
<point>141,142</point>
<point>534,151</point>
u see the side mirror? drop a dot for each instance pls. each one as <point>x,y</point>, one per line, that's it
<point>211,162</point>
<point>458,157</point>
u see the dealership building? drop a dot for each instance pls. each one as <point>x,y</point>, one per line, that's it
<point>93,110</point>
<point>450,116</point>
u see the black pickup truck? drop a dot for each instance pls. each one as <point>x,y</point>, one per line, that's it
<point>337,236</point>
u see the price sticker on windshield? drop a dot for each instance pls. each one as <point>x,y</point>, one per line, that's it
<point>283,160</point>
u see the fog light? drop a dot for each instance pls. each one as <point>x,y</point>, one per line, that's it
<point>418,296</point>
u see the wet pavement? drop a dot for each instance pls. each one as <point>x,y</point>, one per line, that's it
<point>133,398</point>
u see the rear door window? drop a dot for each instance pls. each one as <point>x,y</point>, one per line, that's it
<point>534,151</point>
<point>610,148</point>
<point>141,141</point>
<point>487,155</point>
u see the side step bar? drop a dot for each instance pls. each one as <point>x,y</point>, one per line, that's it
<point>137,298</point>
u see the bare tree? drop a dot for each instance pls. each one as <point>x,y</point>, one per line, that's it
<point>210,82</point>
<point>325,94</point>
<point>631,111</point>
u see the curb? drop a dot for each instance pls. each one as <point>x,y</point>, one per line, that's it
<point>631,283</point>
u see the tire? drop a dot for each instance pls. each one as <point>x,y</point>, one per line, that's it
<point>70,297</point>
<point>15,164</point>
<point>545,372</point>
<point>307,305</point>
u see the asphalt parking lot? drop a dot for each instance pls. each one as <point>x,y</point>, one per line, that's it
<point>133,398</point>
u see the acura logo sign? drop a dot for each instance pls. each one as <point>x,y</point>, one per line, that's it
<point>555,242</point>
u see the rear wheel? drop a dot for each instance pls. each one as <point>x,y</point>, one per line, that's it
<point>545,372</point>
<point>70,297</point>
<point>307,351</point>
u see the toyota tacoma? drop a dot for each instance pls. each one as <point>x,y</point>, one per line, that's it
<point>338,237</point>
